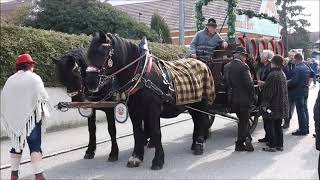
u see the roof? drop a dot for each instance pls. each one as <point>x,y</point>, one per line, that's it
<point>169,10</point>
<point>9,6</point>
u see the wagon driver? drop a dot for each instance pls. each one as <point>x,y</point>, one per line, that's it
<point>206,41</point>
<point>24,109</point>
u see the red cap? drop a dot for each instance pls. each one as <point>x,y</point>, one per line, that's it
<point>25,58</point>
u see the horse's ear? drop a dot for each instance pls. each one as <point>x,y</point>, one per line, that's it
<point>55,60</point>
<point>103,37</point>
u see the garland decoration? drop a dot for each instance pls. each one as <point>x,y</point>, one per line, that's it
<point>231,15</point>
<point>232,4</point>
<point>252,14</point>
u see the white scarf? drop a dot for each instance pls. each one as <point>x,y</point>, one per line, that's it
<point>24,102</point>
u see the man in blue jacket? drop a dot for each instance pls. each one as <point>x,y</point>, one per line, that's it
<point>299,85</point>
<point>205,41</point>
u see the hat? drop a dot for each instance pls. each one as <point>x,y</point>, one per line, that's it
<point>212,22</point>
<point>241,50</point>
<point>25,59</point>
<point>277,60</point>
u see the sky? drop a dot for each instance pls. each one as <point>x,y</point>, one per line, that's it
<point>312,8</point>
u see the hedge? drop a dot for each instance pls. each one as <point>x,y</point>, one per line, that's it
<point>44,45</point>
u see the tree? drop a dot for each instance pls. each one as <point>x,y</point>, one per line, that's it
<point>293,26</point>
<point>160,26</point>
<point>86,16</point>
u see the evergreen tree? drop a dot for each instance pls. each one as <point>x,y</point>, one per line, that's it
<point>160,26</point>
<point>293,26</point>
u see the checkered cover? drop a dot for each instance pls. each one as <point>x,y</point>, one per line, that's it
<point>192,79</point>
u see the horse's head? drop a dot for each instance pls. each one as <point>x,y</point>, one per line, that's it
<point>101,61</point>
<point>68,72</point>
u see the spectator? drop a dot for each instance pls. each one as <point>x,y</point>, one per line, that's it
<point>263,73</point>
<point>299,84</point>
<point>314,66</point>
<point>275,98</point>
<point>316,116</point>
<point>23,121</point>
<point>288,70</point>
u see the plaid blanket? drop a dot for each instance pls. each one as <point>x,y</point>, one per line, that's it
<point>192,79</point>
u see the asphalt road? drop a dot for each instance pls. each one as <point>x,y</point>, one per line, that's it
<point>298,160</point>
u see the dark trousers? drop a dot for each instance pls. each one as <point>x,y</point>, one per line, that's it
<point>266,127</point>
<point>243,125</point>
<point>275,133</point>
<point>291,108</point>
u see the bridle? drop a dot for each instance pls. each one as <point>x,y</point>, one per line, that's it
<point>108,63</point>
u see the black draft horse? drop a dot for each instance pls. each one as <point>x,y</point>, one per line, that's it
<point>71,72</point>
<point>108,54</point>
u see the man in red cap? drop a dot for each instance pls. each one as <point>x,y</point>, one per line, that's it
<point>24,120</point>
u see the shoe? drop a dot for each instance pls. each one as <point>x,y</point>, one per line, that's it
<point>249,146</point>
<point>269,149</point>
<point>285,125</point>
<point>263,140</point>
<point>279,148</point>
<point>240,147</point>
<point>300,133</point>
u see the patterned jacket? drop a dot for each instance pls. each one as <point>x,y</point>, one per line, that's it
<point>275,95</point>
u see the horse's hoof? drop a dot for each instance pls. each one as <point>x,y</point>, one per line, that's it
<point>156,167</point>
<point>133,162</point>
<point>89,156</point>
<point>113,158</point>
<point>198,149</point>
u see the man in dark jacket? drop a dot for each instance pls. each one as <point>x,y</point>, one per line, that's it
<point>240,96</point>
<point>275,98</point>
<point>263,73</point>
<point>316,116</point>
<point>205,41</point>
<point>288,70</point>
<point>299,85</point>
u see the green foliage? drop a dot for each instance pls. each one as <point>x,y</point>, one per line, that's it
<point>159,25</point>
<point>87,16</point>
<point>44,45</point>
<point>18,16</point>
<point>232,4</point>
<point>300,39</point>
<point>252,14</point>
<point>288,20</point>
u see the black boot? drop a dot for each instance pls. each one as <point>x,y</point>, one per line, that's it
<point>240,146</point>
<point>286,124</point>
<point>249,146</point>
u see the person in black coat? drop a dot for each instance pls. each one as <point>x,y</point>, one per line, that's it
<point>275,103</point>
<point>240,96</point>
<point>316,116</point>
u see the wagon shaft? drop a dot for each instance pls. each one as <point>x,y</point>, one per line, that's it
<point>96,105</point>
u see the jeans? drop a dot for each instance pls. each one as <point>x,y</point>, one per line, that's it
<point>291,108</point>
<point>276,133</point>
<point>299,100</point>
<point>306,94</point>
<point>34,140</point>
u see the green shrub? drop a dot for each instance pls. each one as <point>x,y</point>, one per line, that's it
<point>159,25</point>
<point>87,16</point>
<point>44,45</point>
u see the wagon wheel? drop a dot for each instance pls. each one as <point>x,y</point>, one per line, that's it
<point>253,122</point>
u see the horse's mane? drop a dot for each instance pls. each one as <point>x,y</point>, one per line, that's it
<point>123,48</point>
